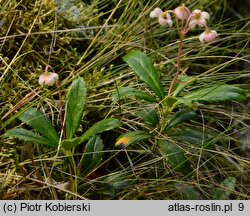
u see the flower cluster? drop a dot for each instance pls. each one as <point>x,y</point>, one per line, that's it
<point>192,20</point>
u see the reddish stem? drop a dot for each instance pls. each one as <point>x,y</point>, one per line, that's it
<point>60,101</point>
<point>178,65</point>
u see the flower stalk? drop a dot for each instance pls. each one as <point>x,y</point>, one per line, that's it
<point>50,79</point>
<point>189,21</point>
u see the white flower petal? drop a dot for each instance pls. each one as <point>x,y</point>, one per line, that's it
<point>163,21</point>
<point>202,37</point>
<point>156,13</point>
<point>170,22</point>
<point>214,32</point>
<point>182,12</point>
<point>197,11</point>
<point>205,15</point>
<point>41,80</point>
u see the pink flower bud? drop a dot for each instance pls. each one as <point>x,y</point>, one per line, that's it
<point>48,79</point>
<point>208,36</point>
<point>182,12</point>
<point>198,19</point>
<point>165,19</point>
<point>156,13</point>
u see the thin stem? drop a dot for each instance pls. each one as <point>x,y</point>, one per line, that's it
<point>178,65</point>
<point>60,100</point>
<point>60,109</point>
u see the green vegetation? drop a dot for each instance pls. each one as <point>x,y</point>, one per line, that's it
<point>116,125</point>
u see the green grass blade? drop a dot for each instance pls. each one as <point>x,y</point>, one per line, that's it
<point>27,135</point>
<point>76,101</point>
<point>38,121</point>
<point>217,94</point>
<point>129,91</point>
<point>144,68</point>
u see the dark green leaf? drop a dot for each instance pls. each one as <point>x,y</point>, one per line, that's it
<point>173,102</point>
<point>144,68</point>
<point>149,116</point>
<point>217,94</point>
<point>93,154</point>
<point>128,92</point>
<point>106,189</point>
<point>116,182</point>
<point>175,156</point>
<point>227,187</point>
<point>131,137</point>
<point>180,117</point>
<point>27,135</point>
<point>121,180</point>
<point>99,127</point>
<point>186,192</point>
<point>195,137</point>
<point>37,120</point>
<point>76,101</point>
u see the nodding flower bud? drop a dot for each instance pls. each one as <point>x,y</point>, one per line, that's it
<point>156,13</point>
<point>163,17</point>
<point>182,12</point>
<point>198,19</point>
<point>208,36</point>
<point>48,79</point>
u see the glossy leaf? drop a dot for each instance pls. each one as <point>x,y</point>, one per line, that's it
<point>131,138</point>
<point>179,117</point>
<point>195,137</point>
<point>93,154</point>
<point>30,136</point>
<point>144,68</point>
<point>99,127</point>
<point>115,182</point>
<point>149,116</point>
<point>38,121</point>
<point>173,102</point>
<point>129,91</point>
<point>76,101</point>
<point>227,187</point>
<point>175,156</point>
<point>217,94</point>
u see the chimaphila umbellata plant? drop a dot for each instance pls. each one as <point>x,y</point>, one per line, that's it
<point>167,112</point>
<point>66,139</point>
